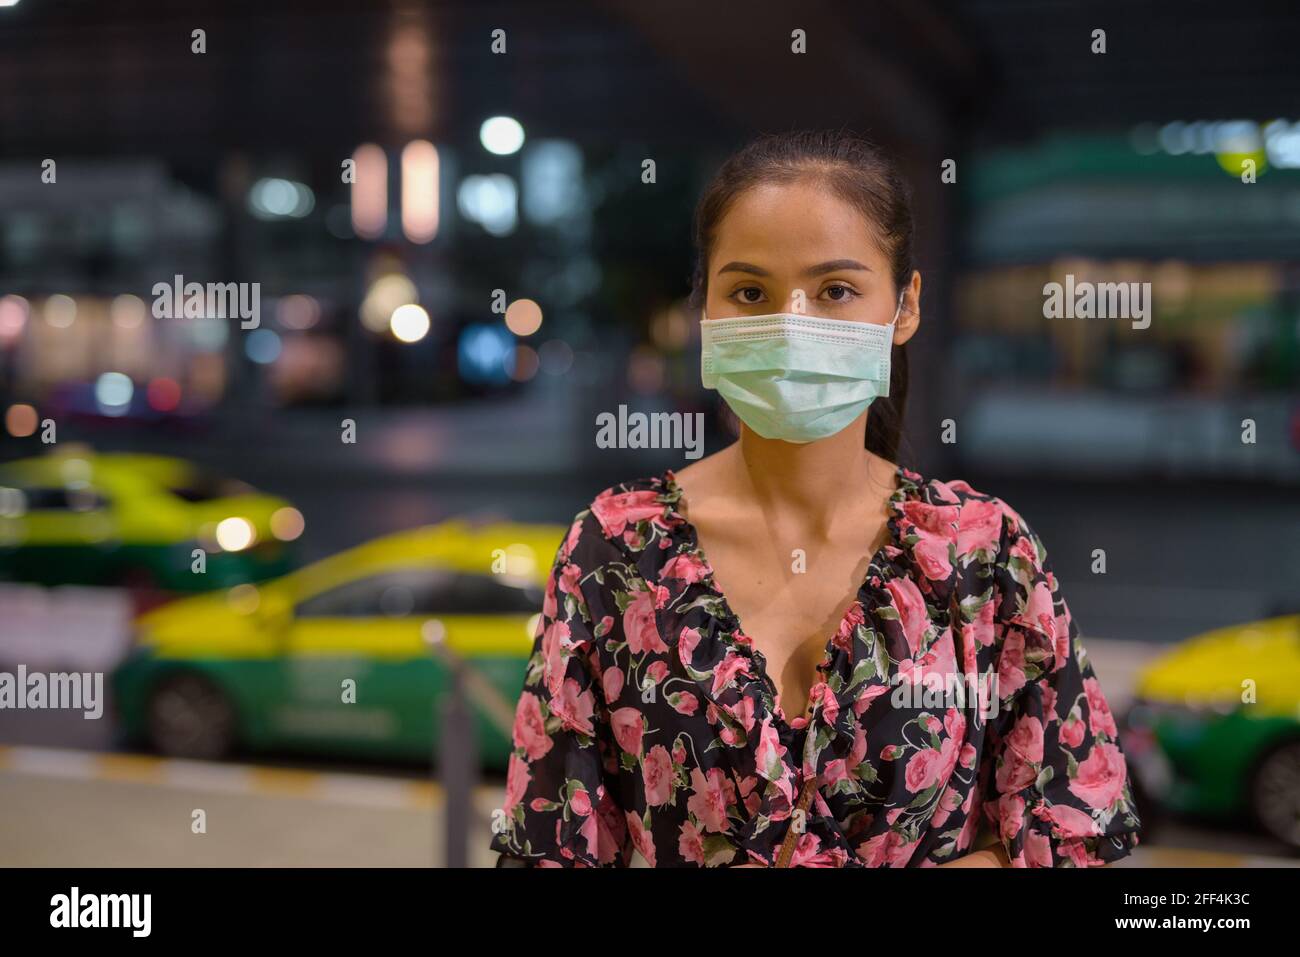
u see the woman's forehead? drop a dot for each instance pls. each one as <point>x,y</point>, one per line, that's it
<point>794,222</point>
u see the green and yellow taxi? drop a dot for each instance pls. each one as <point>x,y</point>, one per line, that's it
<point>349,656</point>
<point>79,517</point>
<point>1214,727</point>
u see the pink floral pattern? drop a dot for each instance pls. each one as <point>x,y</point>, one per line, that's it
<point>648,722</point>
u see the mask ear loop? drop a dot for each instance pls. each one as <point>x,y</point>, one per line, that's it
<point>893,323</point>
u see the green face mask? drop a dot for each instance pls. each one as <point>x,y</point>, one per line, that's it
<point>794,377</point>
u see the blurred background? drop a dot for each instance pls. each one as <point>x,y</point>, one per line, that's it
<point>462,256</point>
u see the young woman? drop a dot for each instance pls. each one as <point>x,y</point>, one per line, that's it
<point>795,652</point>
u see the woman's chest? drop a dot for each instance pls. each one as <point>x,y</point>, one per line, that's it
<point>789,603</point>
<point>705,753</point>
<point>789,626</point>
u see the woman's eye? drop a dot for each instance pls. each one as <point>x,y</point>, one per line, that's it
<point>749,294</point>
<point>838,293</point>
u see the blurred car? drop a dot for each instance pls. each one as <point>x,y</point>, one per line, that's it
<point>336,657</point>
<point>86,518</point>
<point>1198,748</point>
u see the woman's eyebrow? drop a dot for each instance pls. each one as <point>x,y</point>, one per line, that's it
<point>744,267</point>
<point>835,265</point>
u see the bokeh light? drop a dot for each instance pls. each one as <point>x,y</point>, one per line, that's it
<point>20,420</point>
<point>244,599</point>
<point>163,394</point>
<point>420,191</point>
<point>491,201</point>
<point>526,363</point>
<point>287,524</point>
<point>297,312</point>
<point>127,311</point>
<point>520,561</point>
<point>370,192</point>
<point>280,199</point>
<point>501,135</point>
<point>60,311</point>
<point>556,356</point>
<point>409,323</point>
<point>486,354</point>
<point>645,371</point>
<point>262,346</point>
<point>386,295</point>
<point>523,317</point>
<point>14,311</point>
<point>234,534</point>
<point>671,328</point>
<point>113,393</point>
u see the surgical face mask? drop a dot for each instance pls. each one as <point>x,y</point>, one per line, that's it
<point>794,377</point>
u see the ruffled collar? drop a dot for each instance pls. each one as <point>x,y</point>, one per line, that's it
<point>730,676</point>
<point>831,707</point>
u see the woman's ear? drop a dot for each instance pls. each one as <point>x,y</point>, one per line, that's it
<point>909,314</point>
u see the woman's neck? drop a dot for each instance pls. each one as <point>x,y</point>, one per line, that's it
<point>815,484</point>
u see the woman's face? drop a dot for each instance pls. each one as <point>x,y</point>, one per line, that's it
<point>799,248</point>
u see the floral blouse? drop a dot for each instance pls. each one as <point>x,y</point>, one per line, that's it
<point>648,720</point>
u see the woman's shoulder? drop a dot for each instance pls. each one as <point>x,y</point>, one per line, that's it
<point>984,528</point>
<point>622,517</point>
<point>963,505</point>
<point>993,545</point>
<point>1016,551</point>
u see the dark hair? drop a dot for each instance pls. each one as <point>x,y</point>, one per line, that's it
<point>861,174</point>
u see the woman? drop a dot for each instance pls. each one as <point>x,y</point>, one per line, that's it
<point>730,666</point>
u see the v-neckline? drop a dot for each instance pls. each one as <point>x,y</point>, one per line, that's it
<point>893,509</point>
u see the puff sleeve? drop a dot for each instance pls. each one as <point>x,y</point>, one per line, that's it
<point>1054,778</point>
<point>559,808</point>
